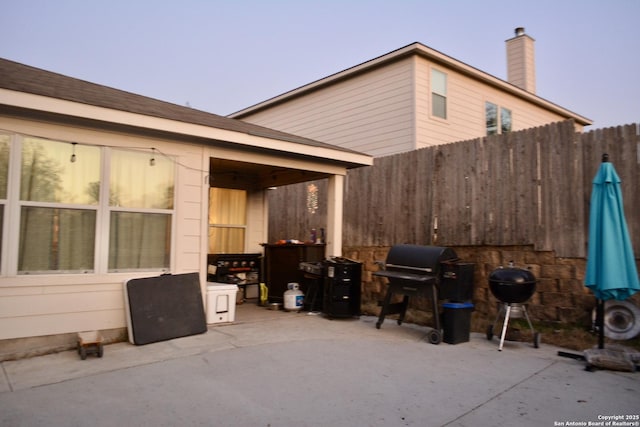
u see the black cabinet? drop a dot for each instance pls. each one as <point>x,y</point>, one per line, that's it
<point>282,266</point>
<point>456,284</point>
<point>342,283</point>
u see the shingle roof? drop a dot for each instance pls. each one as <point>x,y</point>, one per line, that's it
<point>23,78</point>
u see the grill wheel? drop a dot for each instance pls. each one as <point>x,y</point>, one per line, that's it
<point>435,337</point>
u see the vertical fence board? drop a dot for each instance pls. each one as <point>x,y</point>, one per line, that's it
<point>527,187</point>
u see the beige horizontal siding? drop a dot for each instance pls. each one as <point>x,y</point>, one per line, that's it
<point>466,98</point>
<point>372,112</point>
<point>32,305</point>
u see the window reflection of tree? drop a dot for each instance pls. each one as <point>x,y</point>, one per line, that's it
<point>140,239</point>
<point>54,237</point>
<point>40,181</point>
<point>4,165</point>
<point>4,174</point>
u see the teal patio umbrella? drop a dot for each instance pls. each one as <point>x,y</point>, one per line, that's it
<point>611,268</point>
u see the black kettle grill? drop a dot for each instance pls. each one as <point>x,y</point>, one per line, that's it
<point>512,286</point>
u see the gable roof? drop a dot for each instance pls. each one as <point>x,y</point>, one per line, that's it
<point>26,79</point>
<point>428,53</point>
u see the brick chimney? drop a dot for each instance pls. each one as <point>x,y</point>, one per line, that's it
<point>521,64</point>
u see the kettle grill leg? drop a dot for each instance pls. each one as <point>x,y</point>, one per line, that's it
<point>504,327</point>
<point>536,335</point>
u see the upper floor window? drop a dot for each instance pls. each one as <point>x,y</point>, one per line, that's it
<point>438,94</point>
<point>491,114</point>
<point>497,123</point>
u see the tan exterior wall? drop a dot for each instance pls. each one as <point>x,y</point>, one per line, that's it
<point>53,304</point>
<point>371,113</point>
<point>388,110</point>
<point>466,98</point>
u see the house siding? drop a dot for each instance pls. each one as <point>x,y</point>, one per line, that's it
<point>466,98</point>
<point>371,112</point>
<point>387,109</point>
<point>36,305</point>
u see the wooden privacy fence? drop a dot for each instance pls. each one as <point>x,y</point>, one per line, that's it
<point>530,187</point>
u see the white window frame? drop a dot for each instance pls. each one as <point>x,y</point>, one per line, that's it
<point>434,92</point>
<point>499,110</point>
<point>13,206</point>
<point>243,226</point>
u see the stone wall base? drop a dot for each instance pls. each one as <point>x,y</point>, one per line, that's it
<point>560,297</point>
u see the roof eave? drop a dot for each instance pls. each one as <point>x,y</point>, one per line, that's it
<point>252,140</point>
<point>407,51</point>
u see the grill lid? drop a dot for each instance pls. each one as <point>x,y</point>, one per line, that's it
<point>512,275</point>
<point>418,258</point>
<point>512,285</point>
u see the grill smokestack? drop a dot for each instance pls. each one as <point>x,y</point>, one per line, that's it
<point>521,67</point>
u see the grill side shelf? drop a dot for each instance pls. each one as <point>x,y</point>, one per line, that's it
<point>420,278</point>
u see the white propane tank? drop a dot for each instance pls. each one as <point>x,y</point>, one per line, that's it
<point>293,297</point>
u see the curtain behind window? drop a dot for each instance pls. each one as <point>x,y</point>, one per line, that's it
<point>138,237</point>
<point>54,235</point>
<point>227,220</point>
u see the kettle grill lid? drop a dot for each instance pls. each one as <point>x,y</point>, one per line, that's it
<point>512,275</point>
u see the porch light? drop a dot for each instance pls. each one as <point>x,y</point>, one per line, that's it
<point>73,152</point>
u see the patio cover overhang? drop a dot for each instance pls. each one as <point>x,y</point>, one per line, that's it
<point>246,156</point>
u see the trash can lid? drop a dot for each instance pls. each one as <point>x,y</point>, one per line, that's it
<point>457,305</point>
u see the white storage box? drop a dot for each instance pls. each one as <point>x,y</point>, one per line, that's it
<point>221,302</point>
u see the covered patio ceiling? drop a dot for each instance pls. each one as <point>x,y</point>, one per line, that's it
<point>241,175</point>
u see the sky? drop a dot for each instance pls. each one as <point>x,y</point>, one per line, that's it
<point>222,56</point>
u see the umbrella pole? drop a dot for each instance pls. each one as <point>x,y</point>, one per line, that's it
<point>600,322</point>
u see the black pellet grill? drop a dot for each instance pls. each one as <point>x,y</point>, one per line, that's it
<point>431,271</point>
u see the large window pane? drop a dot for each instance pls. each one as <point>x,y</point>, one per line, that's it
<point>505,120</point>
<point>50,175</point>
<point>227,220</point>
<point>141,180</point>
<point>439,106</point>
<point>226,240</point>
<point>491,114</point>
<point>4,165</point>
<point>438,94</point>
<point>54,239</point>
<point>4,173</point>
<point>227,207</point>
<point>139,241</point>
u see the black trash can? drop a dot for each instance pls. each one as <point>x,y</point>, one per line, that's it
<point>456,322</point>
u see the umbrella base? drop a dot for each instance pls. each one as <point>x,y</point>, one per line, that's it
<point>614,358</point>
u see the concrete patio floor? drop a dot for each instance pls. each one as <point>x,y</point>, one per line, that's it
<point>274,368</point>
